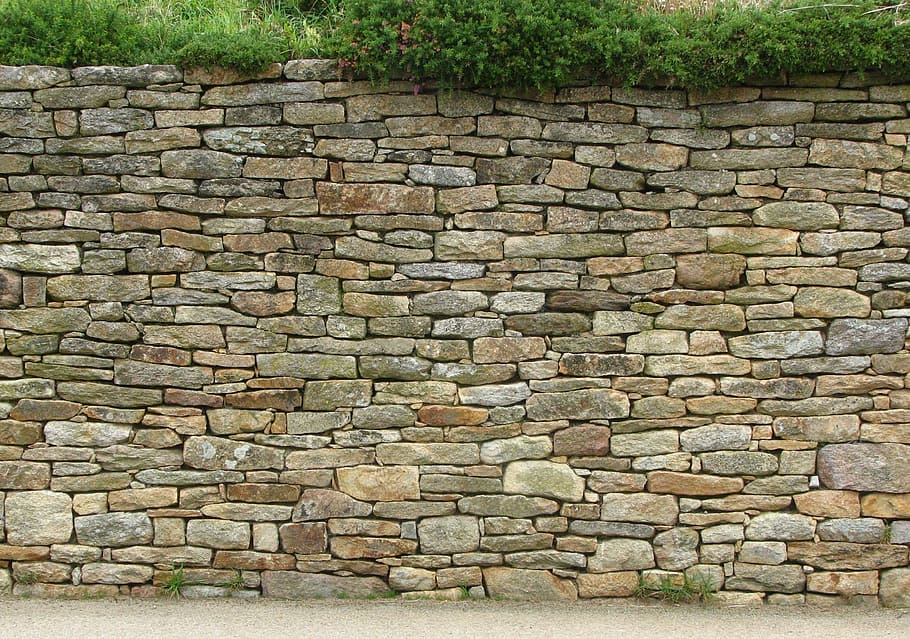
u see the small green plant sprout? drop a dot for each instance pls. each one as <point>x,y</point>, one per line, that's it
<point>174,582</point>
<point>886,535</point>
<point>26,578</point>
<point>236,581</point>
<point>464,594</point>
<point>674,588</point>
<point>385,594</point>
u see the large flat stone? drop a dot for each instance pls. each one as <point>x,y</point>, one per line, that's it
<point>865,467</point>
<point>581,404</point>
<point>40,517</point>
<point>543,479</point>
<point>524,585</point>
<point>296,585</point>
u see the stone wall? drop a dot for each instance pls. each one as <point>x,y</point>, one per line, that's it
<point>299,337</point>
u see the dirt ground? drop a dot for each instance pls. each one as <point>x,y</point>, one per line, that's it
<point>201,619</point>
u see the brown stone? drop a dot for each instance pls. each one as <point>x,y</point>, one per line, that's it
<point>335,199</point>
<point>371,547</point>
<point>262,304</point>
<point>303,538</point>
<point>252,560</point>
<point>836,555</point>
<point>694,485</point>
<point>583,440</point>
<point>263,493</point>
<point>709,271</point>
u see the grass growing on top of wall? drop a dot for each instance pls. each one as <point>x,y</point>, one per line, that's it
<point>491,43</point>
<point>243,34</point>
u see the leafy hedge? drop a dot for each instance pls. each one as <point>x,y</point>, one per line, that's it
<point>490,43</point>
<point>547,42</point>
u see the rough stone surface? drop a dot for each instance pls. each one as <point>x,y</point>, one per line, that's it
<point>341,338</point>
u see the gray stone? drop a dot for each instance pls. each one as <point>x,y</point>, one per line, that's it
<point>563,246</point>
<point>296,585</point>
<point>273,140</point>
<point>865,337</point>
<point>200,164</point>
<point>739,463</point>
<point>777,344</point>
<point>95,434</point>
<point>640,508</point>
<point>216,453</point>
<point>543,479</point>
<point>676,549</point>
<point>39,258</point>
<point>614,555</point>
<point>802,216</point>
<point>495,395</point>
<point>447,535</point>
<point>580,405</point>
<point>218,533</point>
<point>764,578</point>
<point>114,529</point>
<point>716,437</point>
<point>515,506</point>
<point>780,527</point>
<point>318,504</point>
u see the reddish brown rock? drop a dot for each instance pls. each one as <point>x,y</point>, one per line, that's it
<point>306,539</point>
<point>371,547</point>
<point>263,493</point>
<point>582,441</point>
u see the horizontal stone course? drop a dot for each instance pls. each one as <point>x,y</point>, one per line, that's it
<point>318,338</point>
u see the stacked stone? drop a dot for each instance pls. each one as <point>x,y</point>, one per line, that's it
<point>301,337</point>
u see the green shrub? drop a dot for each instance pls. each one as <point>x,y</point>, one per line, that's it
<point>496,43</point>
<point>69,33</point>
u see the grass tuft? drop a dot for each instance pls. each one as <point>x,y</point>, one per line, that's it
<point>690,590</point>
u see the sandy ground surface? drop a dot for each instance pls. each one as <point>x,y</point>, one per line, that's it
<point>128,619</point>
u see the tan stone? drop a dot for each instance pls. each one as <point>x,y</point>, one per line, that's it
<point>377,483</point>
<point>828,503</point>
<point>886,506</point>
<point>845,584</point>
<point>609,584</point>
<point>692,485</point>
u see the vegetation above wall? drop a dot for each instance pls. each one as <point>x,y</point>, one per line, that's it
<point>487,43</point>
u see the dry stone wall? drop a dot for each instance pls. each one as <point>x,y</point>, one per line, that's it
<point>302,337</point>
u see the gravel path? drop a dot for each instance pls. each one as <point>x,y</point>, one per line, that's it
<point>129,619</point>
